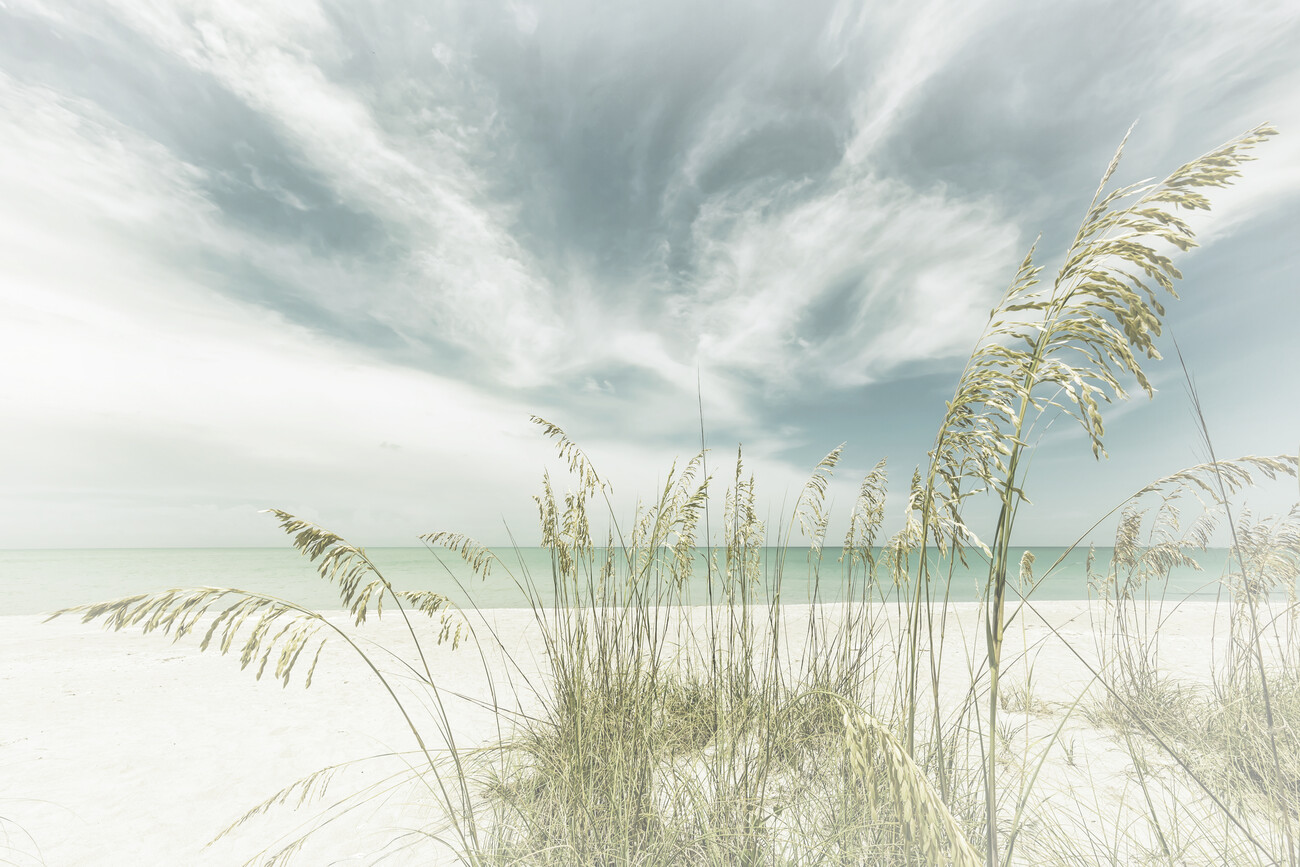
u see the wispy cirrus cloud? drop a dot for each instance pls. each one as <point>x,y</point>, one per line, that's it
<point>579,208</point>
<point>393,150</point>
<point>849,285</point>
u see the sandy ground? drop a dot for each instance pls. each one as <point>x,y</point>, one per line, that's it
<point>122,749</point>
<point>117,748</point>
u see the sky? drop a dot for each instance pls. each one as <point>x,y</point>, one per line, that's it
<point>330,257</point>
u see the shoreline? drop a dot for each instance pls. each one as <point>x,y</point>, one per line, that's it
<point>48,579</point>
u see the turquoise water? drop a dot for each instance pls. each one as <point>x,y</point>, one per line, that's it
<point>39,581</point>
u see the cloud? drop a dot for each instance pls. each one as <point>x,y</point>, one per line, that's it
<point>460,274</point>
<point>758,167</point>
<point>849,285</point>
<point>149,394</point>
<point>237,217</point>
<point>152,408</point>
<point>907,45</point>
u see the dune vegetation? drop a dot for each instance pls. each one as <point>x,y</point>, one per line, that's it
<point>883,725</point>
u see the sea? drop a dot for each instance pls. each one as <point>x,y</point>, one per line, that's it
<point>40,581</point>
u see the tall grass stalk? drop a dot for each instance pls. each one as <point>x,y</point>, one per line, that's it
<point>1064,349</point>
<point>1250,602</point>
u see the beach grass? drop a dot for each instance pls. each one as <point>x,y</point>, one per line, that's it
<point>873,726</point>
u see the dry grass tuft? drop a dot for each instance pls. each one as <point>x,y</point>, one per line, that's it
<point>925,818</point>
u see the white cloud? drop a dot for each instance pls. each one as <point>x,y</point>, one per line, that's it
<point>469,282</point>
<point>906,44</point>
<point>920,271</point>
<point>141,404</point>
<point>1232,41</point>
<point>762,262</point>
<point>149,409</point>
<point>66,161</point>
<point>201,402</point>
<point>909,273</point>
<point>149,397</point>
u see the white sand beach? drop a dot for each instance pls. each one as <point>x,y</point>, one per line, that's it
<point>126,749</point>
<point>122,749</point>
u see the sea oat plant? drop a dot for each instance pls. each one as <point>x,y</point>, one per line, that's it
<point>670,729</point>
<point>1061,348</point>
